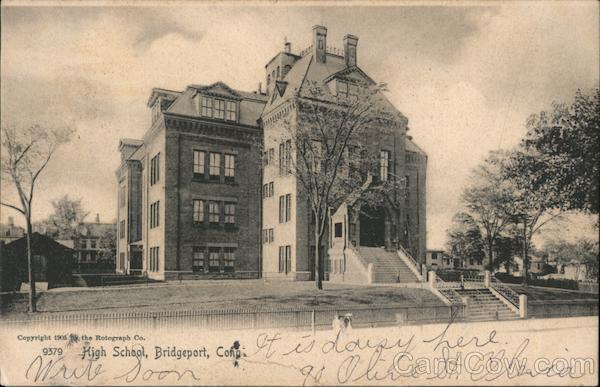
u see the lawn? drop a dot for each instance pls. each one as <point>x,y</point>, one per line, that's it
<point>193,295</point>
<point>535,293</point>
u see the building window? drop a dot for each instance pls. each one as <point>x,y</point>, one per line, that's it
<point>213,212</point>
<point>229,167</point>
<point>338,230</point>
<point>156,110</point>
<point>219,109</point>
<point>207,107</point>
<point>231,111</point>
<point>268,156</point>
<point>384,165</point>
<point>122,261</point>
<point>154,214</point>
<point>213,259</point>
<point>352,91</point>
<point>122,196</point>
<point>228,259</point>
<point>342,89</point>
<point>288,156</point>
<point>285,259</point>
<point>199,163</point>
<point>285,157</point>
<point>214,167</point>
<point>198,257</point>
<point>198,211</point>
<point>154,261</point>
<point>155,169</point>
<point>122,229</point>
<point>268,190</point>
<point>285,205</point>
<point>267,235</point>
<point>281,158</point>
<point>229,213</point>
<point>92,244</point>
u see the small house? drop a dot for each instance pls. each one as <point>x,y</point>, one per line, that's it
<point>53,262</point>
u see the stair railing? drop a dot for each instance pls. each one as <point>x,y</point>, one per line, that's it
<point>505,291</point>
<point>447,290</point>
<point>410,262</point>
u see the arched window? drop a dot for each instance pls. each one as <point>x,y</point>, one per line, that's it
<point>277,72</point>
<point>273,75</point>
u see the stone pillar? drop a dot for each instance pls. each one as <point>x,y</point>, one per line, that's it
<point>431,278</point>
<point>466,303</point>
<point>387,227</point>
<point>487,280</point>
<point>523,305</point>
<point>423,271</point>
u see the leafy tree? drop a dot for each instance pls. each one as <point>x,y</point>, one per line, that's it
<point>108,243</point>
<point>533,207</point>
<point>488,198</point>
<point>464,239</point>
<point>565,149</point>
<point>507,245</point>
<point>333,148</point>
<point>68,215</point>
<point>25,154</point>
<point>584,251</point>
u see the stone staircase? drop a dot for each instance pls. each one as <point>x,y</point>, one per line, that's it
<point>485,306</point>
<point>388,267</point>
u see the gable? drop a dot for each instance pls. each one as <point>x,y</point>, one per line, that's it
<point>352,74</point>
<point>219,89</point>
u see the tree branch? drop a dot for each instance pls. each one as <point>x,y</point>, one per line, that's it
<point>13,207</point>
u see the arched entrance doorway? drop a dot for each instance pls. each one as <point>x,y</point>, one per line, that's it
<point>372,226</point>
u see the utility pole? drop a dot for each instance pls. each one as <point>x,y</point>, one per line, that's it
<point>525,258</point>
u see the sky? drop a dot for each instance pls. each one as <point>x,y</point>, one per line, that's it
<point>467,77</point>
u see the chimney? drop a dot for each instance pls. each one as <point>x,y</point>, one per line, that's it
<point>97,218</point>
<point>350,42</point>
<point>11,221</point>
<point>287,47</point>
<point>259,87</point>
<point>319,43</point>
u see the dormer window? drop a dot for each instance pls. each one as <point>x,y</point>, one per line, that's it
<point>342,89</point>
<point>352,90</point>
<point>347,90</point>
<point>231,111</point>
<point>156,110</point>
<point>207,107</point>
<point>219,108</point>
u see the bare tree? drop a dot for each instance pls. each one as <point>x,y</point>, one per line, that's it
<point>25,154</point>
<point>331,145</point>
